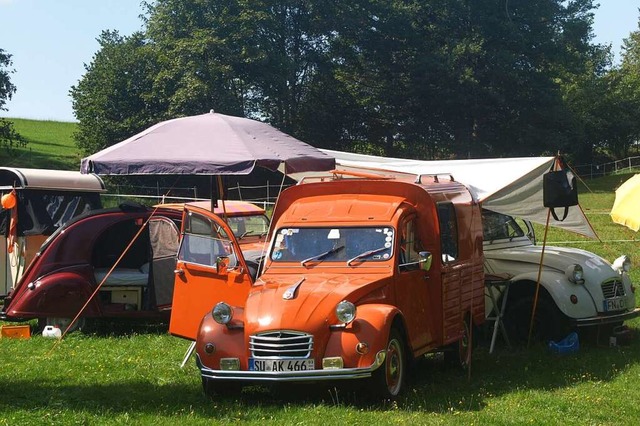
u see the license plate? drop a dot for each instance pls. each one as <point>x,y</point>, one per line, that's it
<point>276,365</point>
<point>615,304</point>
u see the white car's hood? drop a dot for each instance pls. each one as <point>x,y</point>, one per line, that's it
<point>558,258</point>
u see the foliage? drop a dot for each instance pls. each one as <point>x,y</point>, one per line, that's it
<point>9,137</point>
<point>115,97</point>
<point>438,79</point>
<point>7,89</point>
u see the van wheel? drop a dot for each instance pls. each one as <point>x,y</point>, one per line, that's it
<point>388,379</point>
<point>548,323</point>
<point>460,353</point>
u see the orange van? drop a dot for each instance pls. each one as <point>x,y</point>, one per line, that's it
<point>362,274</point>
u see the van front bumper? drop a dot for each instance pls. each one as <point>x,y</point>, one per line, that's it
<point>292,376</point>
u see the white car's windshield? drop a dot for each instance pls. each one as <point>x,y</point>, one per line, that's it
<point>497,226</point>
<point>315,245</point>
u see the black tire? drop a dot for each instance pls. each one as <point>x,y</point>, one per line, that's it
<point>460,353</point>
<point>389,379</point>
<point>548,323</point>
<point>208,387</point>
<point>212,387</point>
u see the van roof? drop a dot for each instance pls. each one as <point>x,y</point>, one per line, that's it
<point>45,179</point>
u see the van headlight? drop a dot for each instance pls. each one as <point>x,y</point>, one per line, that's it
<point>575,274</point>
<point>622,264</point>
<point>346,312</point>
<point>222,313</point>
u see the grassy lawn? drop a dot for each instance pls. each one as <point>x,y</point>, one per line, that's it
<point>123,374</point>
<point>50,145</point>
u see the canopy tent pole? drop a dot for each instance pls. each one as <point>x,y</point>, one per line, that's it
<point>556,166</point>
<point>535,297</point>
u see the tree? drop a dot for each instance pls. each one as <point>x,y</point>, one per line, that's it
<point>625,88</point>
<point>437,79</point>
<point>9,138</point>
<point>115,98</point>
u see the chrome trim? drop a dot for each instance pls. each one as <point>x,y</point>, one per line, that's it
<point>613,288</point>
<point>294,376</point>
<point>606,319</point>
<point>281,344</point>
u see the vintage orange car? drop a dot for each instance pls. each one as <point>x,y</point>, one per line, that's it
<point>362,275</point>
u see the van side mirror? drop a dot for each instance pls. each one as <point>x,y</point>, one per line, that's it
<point>222,262</point>
<point>425,260</point>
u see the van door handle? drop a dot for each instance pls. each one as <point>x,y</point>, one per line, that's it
<point>179,271</point>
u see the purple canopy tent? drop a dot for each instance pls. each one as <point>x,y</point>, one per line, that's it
<point>207,144</point>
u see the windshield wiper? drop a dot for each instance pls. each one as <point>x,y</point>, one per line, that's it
<point>244,234</point>
<point>322,255</point>
<point>365,254</point>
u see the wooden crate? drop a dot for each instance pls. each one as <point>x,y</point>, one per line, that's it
<point>15,331</point>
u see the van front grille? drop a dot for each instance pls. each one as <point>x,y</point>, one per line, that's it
<point>281,344</point>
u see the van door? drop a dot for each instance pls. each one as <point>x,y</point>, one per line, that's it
<point>210,268</point>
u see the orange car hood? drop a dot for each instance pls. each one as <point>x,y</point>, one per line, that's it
<point>312,301</point>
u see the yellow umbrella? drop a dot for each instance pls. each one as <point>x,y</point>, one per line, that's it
<point>626,207</point>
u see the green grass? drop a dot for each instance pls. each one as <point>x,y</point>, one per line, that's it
<point>133,376</point>
<point>50,145</point>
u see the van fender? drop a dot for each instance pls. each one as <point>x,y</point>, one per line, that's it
<point>371,327</point>
<point>61,294</point>
<point>560,289</point>
<point>224,341</point>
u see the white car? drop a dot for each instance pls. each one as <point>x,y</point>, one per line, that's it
<point>577,287</point>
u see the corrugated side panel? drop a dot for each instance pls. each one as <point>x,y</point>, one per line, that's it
<point>463,291</point>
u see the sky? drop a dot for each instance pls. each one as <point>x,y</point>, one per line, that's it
<point>51,41</point>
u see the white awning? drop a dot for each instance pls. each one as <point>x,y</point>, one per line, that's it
<point>511,186</point>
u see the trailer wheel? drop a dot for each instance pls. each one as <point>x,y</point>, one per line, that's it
<point>389,378</point>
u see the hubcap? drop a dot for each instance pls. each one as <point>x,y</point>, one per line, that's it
<point>394,367</point>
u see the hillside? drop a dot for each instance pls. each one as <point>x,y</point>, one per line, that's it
<point>50,145</point>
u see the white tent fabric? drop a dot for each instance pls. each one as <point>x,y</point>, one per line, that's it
<point>511,186</point>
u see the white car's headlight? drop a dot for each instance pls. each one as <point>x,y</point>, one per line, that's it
<point>622,264</point>
<point>575,274</point>
<point>222,313</point>
<point>346,312</point>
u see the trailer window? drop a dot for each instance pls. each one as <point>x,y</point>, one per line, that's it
<point>448,232</point>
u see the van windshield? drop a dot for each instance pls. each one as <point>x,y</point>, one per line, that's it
<point>347,244</point>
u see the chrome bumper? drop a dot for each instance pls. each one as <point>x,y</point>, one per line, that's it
<point>606,319</point>
<point>293,376</point>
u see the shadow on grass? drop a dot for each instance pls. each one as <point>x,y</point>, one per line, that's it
<point>433,386</point>
<point>436,386</point>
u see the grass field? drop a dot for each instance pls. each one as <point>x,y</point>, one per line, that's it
<point>50,145</point>
<point>130,374</point>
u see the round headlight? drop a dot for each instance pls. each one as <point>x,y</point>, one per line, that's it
<point>346,311</point>
<point>222,313</point>
<point>575,274</point>
<point>622,264</point>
